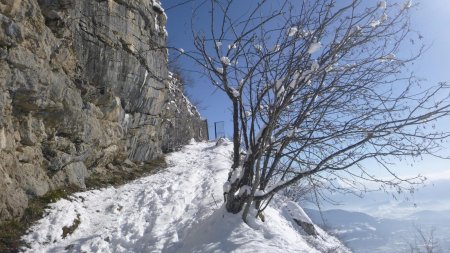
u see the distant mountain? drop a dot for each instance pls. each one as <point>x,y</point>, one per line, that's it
<point>432,196</point>
<point>431,217</point>
<point>338,216</point>
<point>364,233</point>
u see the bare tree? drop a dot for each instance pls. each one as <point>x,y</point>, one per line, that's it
<point>424,242</point>
<point>317,88</point>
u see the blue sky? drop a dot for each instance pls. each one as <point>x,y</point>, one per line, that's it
<point>430,17</point>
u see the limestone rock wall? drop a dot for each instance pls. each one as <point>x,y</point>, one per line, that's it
<point>181,122</point>
<point>83,85</point>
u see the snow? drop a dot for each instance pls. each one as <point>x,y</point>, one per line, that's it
<point>314,47</point>
<point>126,121</point>
<point>384,17</point>
<point>234,92</point>
<point>258,47</point>
<point>408,4</point>
<point>226,187</point>
<point>232,46</point>
<point>293,84</point>
<point>292,31</point>
<point>279,83</point>
<point>276,48</point>
<point>177,210</point>
<point>236,174</point>
<point>145,80</point>
<point>389,57</point>
<point>306,33</point>
<point>245,189</point>
<point>191,108</point>
<point>259,192</point>
<point>175,89</point>
<point>375,23</point>
<point>225,60</point>
<point>315,66</point>
<point>158,6</point>
<point>156,23</point>
<point>281,91</point>
<point>355,29</point>
<point>291,132</point>
<point>297,212</point>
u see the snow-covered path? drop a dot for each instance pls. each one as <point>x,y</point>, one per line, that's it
<point>143,216</point>
<point>176,210</point>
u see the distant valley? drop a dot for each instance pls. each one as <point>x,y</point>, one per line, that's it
<point>364,233</point>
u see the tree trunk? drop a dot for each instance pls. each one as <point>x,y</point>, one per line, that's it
<point>236,139</point>
<point>234,203</point>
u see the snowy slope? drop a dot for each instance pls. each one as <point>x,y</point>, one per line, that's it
<point>177,210</point>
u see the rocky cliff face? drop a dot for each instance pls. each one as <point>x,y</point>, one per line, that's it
<point>83,87</point>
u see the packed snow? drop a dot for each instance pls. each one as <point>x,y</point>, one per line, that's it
<point>179,209</point>
<point>297,212</point>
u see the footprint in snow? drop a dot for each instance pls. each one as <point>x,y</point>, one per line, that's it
<point>114,208</point>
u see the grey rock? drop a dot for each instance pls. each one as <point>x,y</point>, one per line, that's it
<point>83,84</point>
<point>129,163</point>
<point>72,174</point>
<point>307,227</point>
